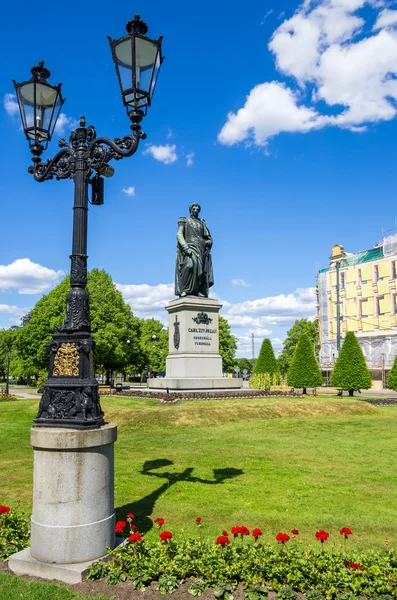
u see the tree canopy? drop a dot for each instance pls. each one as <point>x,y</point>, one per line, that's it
<point>266,361</point>
<point>392,379</point>
<point>227,345</point>
<point>351,372</point>
<point>304,371</point>
<point>154,344</point>
<point>300,326</point>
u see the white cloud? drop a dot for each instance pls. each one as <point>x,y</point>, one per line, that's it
<point>165,154</point>
<point>302,303</point>
<point>65,123</point>
<point>327,50</point>
<point>240,283</point>
<point>189,159</point>
<point>269,12</point>
<point>386,18</point>
<point>11,104</point>
<point>148,300</point>
<point>28,277</point>
<point>12,310</point>
<point>129,191</point>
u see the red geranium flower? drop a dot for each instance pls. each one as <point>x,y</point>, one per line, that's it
<point>244,530</point>
<point>4,509</point>
<point>119,527</point>
<point>165,536</point>
<point>256,533</point>
<point>179,491</point>
<point>160,522</point>
<point>294,532</point>
<point>346,531</point>
<point>222,540</point>
<point>133,527</point>
<point>353,565</point>
<point>130,516</point>
<point>235,531</point>
<point>322,535</point>
<point>224,532</point>
<point>135,537</point>
<point>198,520</point>
<point>282,537</point>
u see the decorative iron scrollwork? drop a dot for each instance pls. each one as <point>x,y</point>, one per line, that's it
<point>66,361</point>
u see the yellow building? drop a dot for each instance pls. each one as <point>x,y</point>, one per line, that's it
<point>367,305</point>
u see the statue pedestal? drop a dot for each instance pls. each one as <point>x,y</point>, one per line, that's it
<point>193,361</point>
<point>73,502</point>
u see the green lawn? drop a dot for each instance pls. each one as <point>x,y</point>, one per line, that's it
<point>16,588</point>
<point>272,463</point>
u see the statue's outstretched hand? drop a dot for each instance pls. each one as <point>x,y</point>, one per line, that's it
<point>187,251</point>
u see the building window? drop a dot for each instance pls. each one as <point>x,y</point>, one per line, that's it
<point>378,306</point>
<point>395,304</point>
<point>364,309</point>
<point>394,270</point>
<point>361,281</point>
<point>342,280</point>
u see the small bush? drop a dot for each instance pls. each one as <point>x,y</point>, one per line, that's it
<point>14,532</point>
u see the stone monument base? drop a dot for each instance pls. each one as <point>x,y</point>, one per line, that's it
<point>22,563</point>
<point>194,383</point>
<point>193,361</point>
<point>73,501</point>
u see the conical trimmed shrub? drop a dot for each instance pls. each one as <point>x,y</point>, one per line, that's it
<point>392,379</point>
<point>304,371</point>
<point>351,372</point>
<point>266,361</point>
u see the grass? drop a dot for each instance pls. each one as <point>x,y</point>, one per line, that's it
<point>16,588</point>
<point>276,463</point>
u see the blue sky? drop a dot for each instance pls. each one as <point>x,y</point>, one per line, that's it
<point>279,120</point>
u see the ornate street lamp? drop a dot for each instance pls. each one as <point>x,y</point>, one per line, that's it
<point>70,395</point>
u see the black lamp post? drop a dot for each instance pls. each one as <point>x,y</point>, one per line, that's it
<point>8,353</point>
<point>70,395</point>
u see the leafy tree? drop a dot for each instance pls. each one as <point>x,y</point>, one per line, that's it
<point>7,337</point>
<point>227,345</point>
<point>111,318</point>
<point>392,379</point>
<point>351,372</point>
<point>243,363</point>
<point>304,371</point>
<point>154,344</point>
<point>266,361</point>
<point>300,326</point>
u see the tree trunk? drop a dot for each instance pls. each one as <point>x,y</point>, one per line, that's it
<point>351,392</point>
<point>304,391</point>
<point>107,382</point>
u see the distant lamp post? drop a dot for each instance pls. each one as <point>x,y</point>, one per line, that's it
<point>70,395</point>
<point>8,354</point>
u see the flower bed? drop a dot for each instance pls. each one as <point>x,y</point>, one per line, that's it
<point>14,531</point>
<point>7,397</point>
<point>242,557</point>
<point>175,397</point>
<point>381,401</point>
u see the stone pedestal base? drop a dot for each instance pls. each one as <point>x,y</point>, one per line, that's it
<point>194,383</point>
<point>73,494</point>
<point>22,563</point>
<point>193,361</point>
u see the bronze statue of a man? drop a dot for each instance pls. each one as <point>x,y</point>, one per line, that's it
<point>193,273</point>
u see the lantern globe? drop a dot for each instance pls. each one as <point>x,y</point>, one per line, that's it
<point>137,59</point>
<point>40,104</point>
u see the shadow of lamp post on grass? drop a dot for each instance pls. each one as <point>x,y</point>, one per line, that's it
<point>144,507</point>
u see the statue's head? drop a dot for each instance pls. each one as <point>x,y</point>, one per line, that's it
<point>196,208</point>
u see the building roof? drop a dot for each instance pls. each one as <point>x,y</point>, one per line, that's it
<point>358,259</point>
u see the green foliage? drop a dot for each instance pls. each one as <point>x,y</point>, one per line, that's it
<point>300,326</point>
<point>14,533</point>
<point>264,381</point>
<point>227,345</point>
<point>243,363</point>
<point>154,344</point>
<point>266,361</point>
<point>111,318</point>
<point>304,371</point>
<point>392,379</point>
<point>7,337</point>
<point>8,397</point>
<point>351,371</point>
<point>167,584</point>
<point>197,587</point>
<point>258,567</point>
